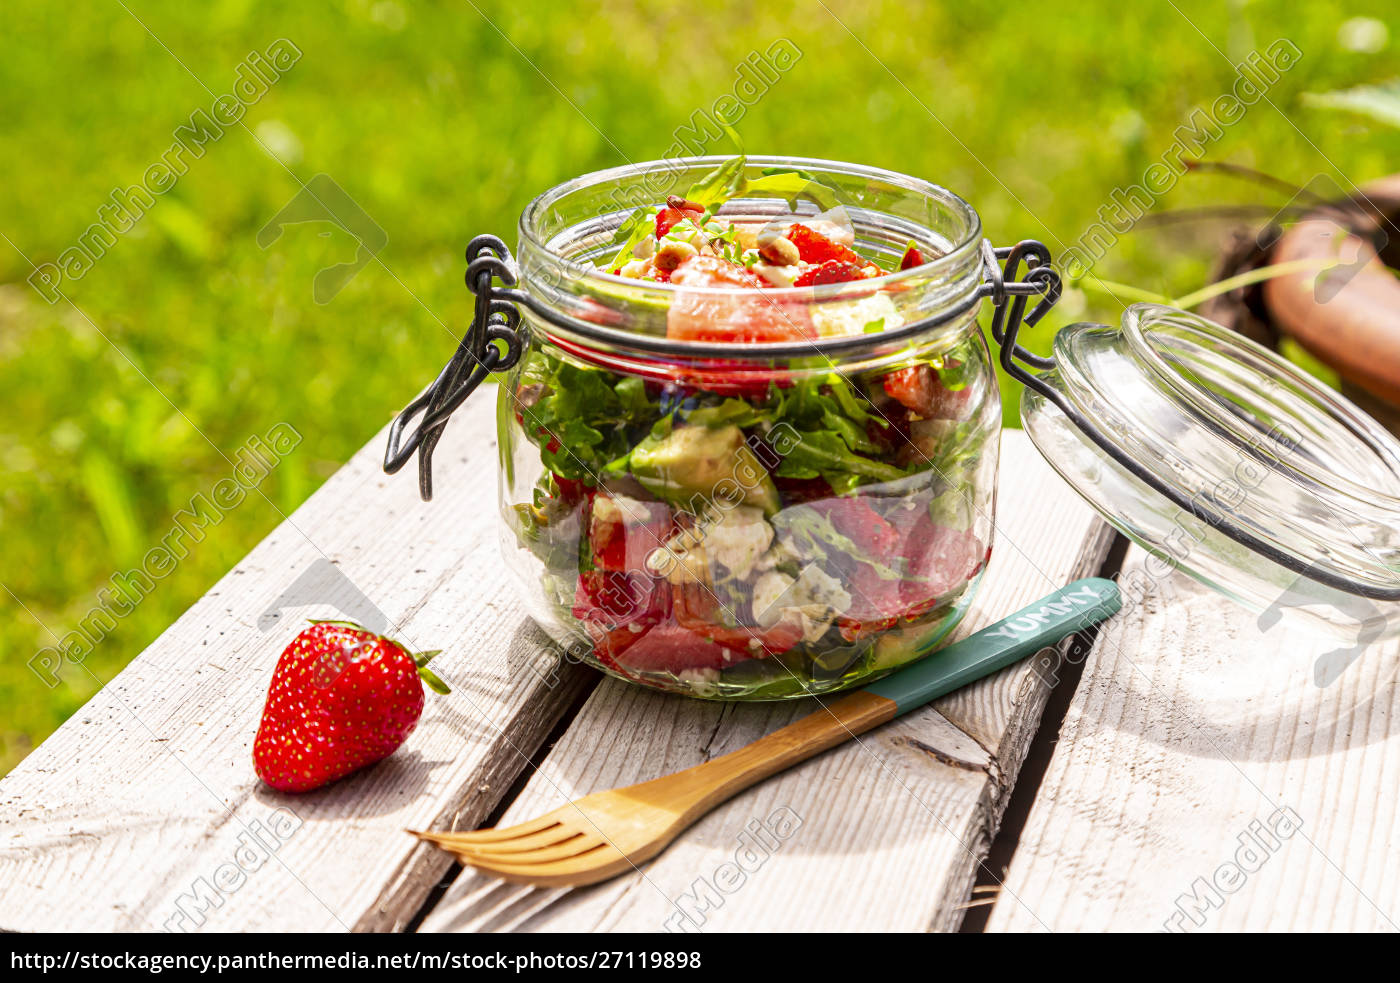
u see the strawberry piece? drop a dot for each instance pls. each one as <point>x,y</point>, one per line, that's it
<point>940,559</point>
<point>622,534</point>
<point>869,530</point>
<point>712,271</point>
<point>912,258</point>
<point>614,599</point>
<point>834,271</point>
<point>628,617</point>
<point>341,698</point>
<point>937,560</point>
<point>920,389</point>
<point>666,220</point>
<point>876,603</point>
<point>695,607</point>
<point>813,247</point>
<point>671,648</point>
<point>731,378</point>
<point>676,211</point>
<point>571,491</point>
<point>726,314</point>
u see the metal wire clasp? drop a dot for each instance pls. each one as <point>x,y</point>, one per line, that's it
<point>494,319</point>
<point>1009,297</point>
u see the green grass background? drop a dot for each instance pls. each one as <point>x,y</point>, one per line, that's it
<point>187,337</point>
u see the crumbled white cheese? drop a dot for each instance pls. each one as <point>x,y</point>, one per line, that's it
<point>815,599</point>
<point>701,681</point>
<point>768,591</point>
<point>817,594</point>
<point>633,511</point>
<point>849,317</point>
<point>736,539</point>
<point>740,539</point>
<point>814,628</point>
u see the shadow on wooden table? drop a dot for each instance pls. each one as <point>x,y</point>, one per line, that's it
<point>1221,687</point>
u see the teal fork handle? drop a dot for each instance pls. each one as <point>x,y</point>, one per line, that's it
<point>1072,608</point>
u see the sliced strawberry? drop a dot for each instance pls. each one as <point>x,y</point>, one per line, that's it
<point>712,271</point>
<point>853,629</point>
<point>875,604</point>
<point>813,247</point>
<point>834,271</point>
<point>696,608</point>
<point>731,378</point>
<point>671,648</point>
<point>920,389</point>
<point>621,534</point>
<point>940,559</point>
<point>617,598</point>
<point>677,210</point>
<point>853,517</point>
<point>570,490</point>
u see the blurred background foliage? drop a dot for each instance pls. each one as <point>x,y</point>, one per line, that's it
<point>442,120</point>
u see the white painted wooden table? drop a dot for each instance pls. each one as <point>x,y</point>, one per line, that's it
<point>1189,724</point>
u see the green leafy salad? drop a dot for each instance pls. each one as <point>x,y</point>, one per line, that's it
<point>764,532</point>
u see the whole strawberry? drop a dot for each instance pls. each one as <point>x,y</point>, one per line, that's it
<point>341,698</point>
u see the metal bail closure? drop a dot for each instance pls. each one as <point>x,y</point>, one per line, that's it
<point>1225,461</point>
<point>495,318</point>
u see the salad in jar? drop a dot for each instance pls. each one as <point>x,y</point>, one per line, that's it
<point>743,532</point>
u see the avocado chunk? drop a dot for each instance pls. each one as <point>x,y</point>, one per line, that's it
<point>704,462</point>
<point>896,647</point>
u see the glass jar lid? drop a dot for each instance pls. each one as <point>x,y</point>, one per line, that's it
<point>1227,462</point>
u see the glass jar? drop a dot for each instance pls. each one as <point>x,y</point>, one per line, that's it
<point>731,522</point>
<point>693,501</point>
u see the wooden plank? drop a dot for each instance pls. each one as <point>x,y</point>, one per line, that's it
<point>146,791</point>
<point>891,826</point>
<point>1189,724</point>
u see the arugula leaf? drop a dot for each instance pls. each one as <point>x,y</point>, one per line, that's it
<point>792,184</point>
<point>844,394</point>
<point>632,393</point>
<point>826,453</point>
<point>633,230</point>
<point>580,418</point>
<point>734,411</point>
<point>852,433</point>
<point>815,537</point>
<point>725,182</point>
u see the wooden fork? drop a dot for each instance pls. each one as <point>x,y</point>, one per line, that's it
<point>609,833</point>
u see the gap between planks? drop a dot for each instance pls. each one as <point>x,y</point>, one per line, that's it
<point>1191,724</point>
<point>140,800</point>
<point>892,825</point>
